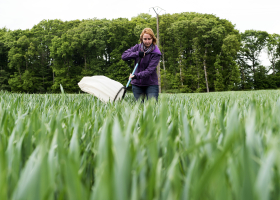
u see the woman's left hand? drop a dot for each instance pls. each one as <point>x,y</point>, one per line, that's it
<point>131,76</point>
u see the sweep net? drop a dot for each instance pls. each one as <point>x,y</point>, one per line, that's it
<point>102,87</point>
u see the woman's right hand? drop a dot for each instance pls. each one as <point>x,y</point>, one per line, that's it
<point>141,54</point>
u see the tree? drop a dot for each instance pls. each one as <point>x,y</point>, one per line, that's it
<point>39,50</point>
<point>121,37</point>
<point>4,70</point>
<point>273,43</point>
<point>227,70</point>
<point>190,57</point>
<point>16,59</point>
<point>141,21</point>
<point>253,42</point>
<point>261,80</point>
<point>209,35</point>
<point>63,53</point>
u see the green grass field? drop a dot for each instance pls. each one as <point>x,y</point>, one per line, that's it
<point>187,146</point>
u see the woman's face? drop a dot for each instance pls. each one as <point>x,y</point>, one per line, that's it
<point>147,40</point>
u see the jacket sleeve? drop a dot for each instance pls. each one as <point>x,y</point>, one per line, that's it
<point>131,53</point>
<point>150,69</point>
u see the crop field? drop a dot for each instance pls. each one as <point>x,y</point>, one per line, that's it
<point>218,146</point>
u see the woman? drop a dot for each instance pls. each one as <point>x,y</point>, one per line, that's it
<point>145,80</point>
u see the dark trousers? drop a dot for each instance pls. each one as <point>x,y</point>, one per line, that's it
<point>142,91</point>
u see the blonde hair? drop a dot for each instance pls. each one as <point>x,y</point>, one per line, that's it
<point>150,32</point>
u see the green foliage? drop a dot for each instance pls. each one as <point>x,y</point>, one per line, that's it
<point>193,45</point>
<point>4,78</point>
<point>219,86</point>
<point>185,146</point>
<point>15,82</point>
<point>273,44</point>
<point>4,70</point>
<point>197,40</point>
<point>253,42</point>
<point>262,80</point>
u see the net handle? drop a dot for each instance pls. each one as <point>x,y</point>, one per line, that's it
<point>119,93</point>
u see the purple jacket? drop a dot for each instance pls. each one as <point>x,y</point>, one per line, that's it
<point>146,72</point>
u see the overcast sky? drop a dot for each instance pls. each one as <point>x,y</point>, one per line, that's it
<point>245,14</point>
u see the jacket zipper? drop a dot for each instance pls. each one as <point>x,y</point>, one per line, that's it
<point>139,71</point>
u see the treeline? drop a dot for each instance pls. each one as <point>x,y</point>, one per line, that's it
<point>200,52</point>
